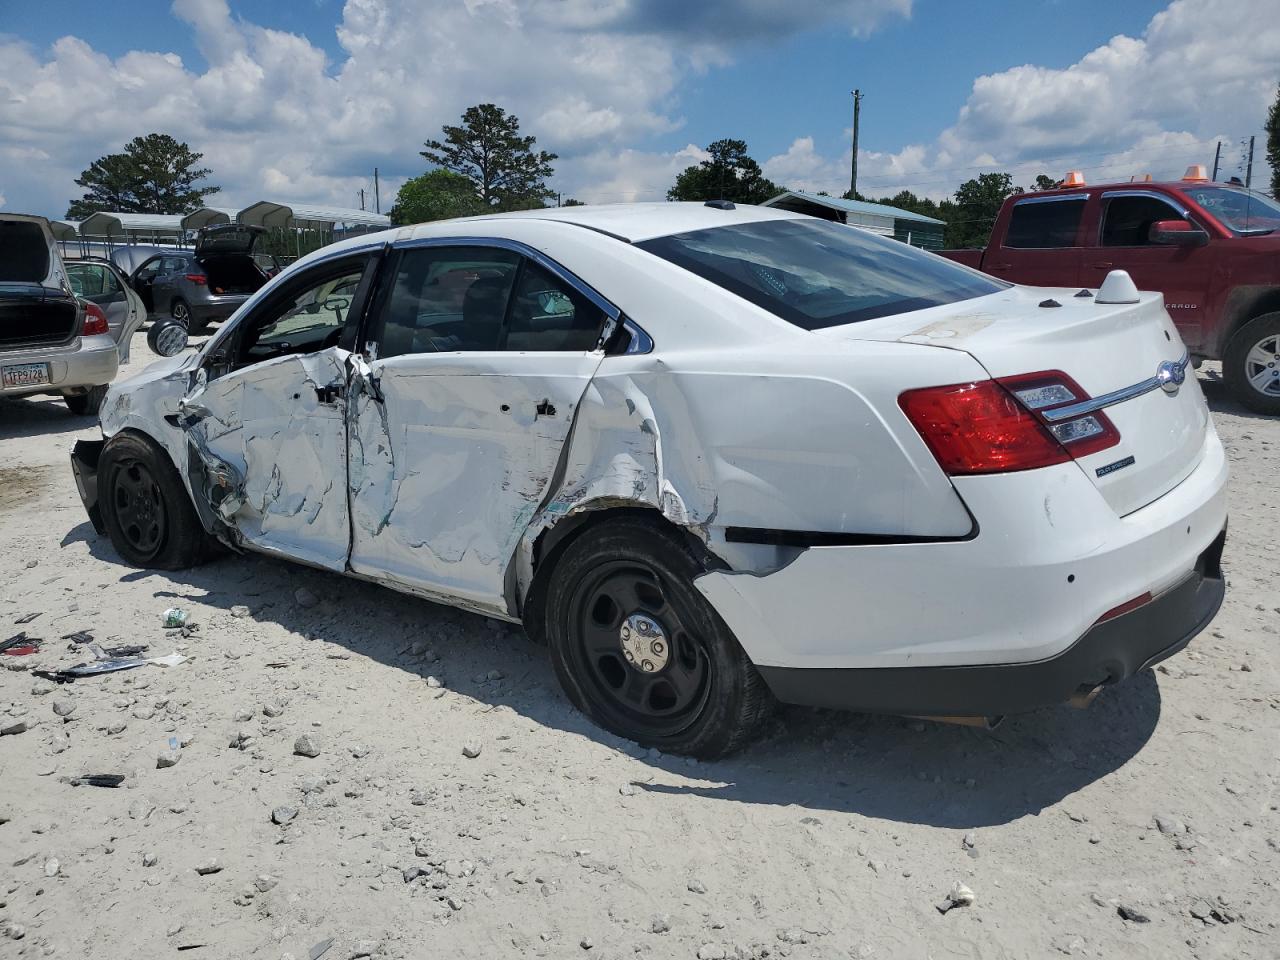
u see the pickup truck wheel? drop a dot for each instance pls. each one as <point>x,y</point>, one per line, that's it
<point>640,651</point>
<point>1252,364</point>
<point>145,508</point>
<point>86,404</point>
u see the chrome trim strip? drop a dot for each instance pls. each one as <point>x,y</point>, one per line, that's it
<point>1109,399</point>
<point>612,312</point>
<point>1057,199</point>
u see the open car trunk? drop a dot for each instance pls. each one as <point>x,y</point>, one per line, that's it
<point>36,302</point>
<point>232,273</point>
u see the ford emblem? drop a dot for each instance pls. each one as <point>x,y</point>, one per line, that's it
<point>1171,374</point>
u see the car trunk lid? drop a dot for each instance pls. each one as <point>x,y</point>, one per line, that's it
<point>36,302</point>
<point>1112,351</point>
<point>227,238</point>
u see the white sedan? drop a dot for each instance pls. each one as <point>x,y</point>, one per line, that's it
<point>712,457</point>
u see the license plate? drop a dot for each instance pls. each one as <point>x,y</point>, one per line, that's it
<point>24,374</point>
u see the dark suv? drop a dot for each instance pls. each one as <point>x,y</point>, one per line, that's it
<point>197,287</point>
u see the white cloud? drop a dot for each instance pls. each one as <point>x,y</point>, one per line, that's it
<point>1203,70</point>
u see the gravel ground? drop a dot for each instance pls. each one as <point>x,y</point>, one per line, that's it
<point>456,805</point>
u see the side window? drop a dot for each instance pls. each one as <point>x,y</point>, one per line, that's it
<point>149,269</point>
<point>1045,224</point>
<point>1126,221</point>
<point>85,279</point>
<point>444,299</point>
<point>173,265</point>
<point>549,314</point>
<point>308,320</point>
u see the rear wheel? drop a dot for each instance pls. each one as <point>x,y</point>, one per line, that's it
<point>1252,364</point>
<point>182,313</point>
<point>641,652</point>
<point>86,404</point>
<point>145,508</point>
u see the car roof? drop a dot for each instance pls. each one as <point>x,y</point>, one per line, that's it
<point>635,222</point>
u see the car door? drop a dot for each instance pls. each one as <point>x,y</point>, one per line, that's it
<point>1042,244</point>
<point>1122,242</point>
<point>172,269</point>
<point>143,282</point>
<point>479,357</point>
<point>100,283</point>
<point>266,423</point>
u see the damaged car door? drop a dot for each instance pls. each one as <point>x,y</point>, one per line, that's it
<point>266,424</point>
<point>483,350</point>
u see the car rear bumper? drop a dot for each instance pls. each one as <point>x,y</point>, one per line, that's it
<point>214,308</point>
<point>1109,652</point>
<point>1047,560</point>
<point>84,466</point>
<point>74,367</point>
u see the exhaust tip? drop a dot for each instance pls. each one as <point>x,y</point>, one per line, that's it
<point>1085,696</point>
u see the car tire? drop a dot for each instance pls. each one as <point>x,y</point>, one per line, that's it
<point>145,508</point>
<point>698,695</point>
<point>86,404</point>
<point>1253,354</point>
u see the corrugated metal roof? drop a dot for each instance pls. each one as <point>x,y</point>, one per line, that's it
<point>104,224</point>
<point>855,206</point>
<point>266,213</point>
<point>64,229</point>
<point>208,215</point>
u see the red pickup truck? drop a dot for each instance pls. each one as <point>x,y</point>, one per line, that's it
<point>1213,249</point>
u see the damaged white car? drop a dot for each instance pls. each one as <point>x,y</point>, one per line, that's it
<point>710,456</point>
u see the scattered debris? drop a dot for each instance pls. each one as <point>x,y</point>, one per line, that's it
<point>27,618</point>
<point>1131,914</point>
<point>173,618</point>
<point>20,645</point>
<point>958,896</point>
<point>320,949</point>
<point>108,666</point>
<point>80,636</point>
<point>97,780</point>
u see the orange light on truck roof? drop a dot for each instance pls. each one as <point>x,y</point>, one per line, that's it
<point>1074,178</point>
<point>1197,171</point>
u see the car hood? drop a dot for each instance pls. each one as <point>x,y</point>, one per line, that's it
<point>227,238</point>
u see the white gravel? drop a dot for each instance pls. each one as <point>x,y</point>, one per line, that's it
<point>834,836</point>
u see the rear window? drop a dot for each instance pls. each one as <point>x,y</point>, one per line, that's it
<point>24,252</point>
<point>816,274</point>
<point>1044,224</point>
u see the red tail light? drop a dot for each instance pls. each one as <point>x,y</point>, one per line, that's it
<point>199,278</point>
<point>95,321</point>
<point>1001,426</point>
<point>1127,607</point>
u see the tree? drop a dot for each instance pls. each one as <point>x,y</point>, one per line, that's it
<point>1272,126</point>
<point>729,174</point>
<point>976,206</point>
<point>504,169</point>
<point>1043,182</point>
<point>436,195</point>
<point>154,174</point>
<point>574,203</point>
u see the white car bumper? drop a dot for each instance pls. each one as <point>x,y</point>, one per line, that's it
<point>868,626</point>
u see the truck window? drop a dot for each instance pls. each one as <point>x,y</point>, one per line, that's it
<point>1127,220</point>
<point>1045,224</point>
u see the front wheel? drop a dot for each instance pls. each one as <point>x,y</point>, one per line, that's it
<point>640,651</point>
<point>145,508</point>
<point>1252,364</point>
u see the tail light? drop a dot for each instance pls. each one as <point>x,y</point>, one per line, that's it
<point>1001,426</point>
<point>198,278</point>
<point>95,321</point>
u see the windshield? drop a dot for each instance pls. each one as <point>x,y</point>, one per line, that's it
<point>816,274</point>
<point>1241,211</point>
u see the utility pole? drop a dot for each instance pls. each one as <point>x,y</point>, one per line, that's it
<point>362,198</point>
<point>1217,156</point>
<point>1248,170</point>
<point>377,202</point>
<point>853,172</point>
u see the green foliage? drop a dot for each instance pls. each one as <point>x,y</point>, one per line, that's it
<point>977,204</point>
<point>574,203</point>
<point>729,174</point>
<point>436,195</point>
<point>1043,182</point>
<point>502,166</point>
<point>1272,126</point>
<point>154,174</point>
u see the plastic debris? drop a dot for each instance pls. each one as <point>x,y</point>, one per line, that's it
<point>320,949</point>
<point>27,618</point>
<point>97,780</point>
<point>108,666</point>
<point>174,617</point>
<point>20,645</point>
<point>80,636</point>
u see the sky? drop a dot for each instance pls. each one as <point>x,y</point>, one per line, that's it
<point>300,101</point>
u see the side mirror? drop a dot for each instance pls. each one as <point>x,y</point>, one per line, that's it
<point>167,337</point>
<point>1179,233</point>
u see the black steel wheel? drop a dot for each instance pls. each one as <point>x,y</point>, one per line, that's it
<point>647,670</point>
<point>145,508</point>
<point>138,506</point>
<point>640,651</point>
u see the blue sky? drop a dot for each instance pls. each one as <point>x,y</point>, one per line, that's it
<point>626,90</point>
